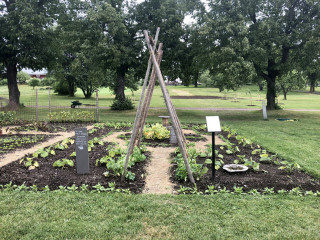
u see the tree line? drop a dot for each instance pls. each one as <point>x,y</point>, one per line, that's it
<point>94,43</point>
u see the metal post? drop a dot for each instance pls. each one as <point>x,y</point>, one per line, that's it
<point>213,157</point>
<point>37,113</point>
<point>97,104</point>
<point>49,100</point>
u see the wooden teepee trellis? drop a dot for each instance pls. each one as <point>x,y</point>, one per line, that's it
<point>144,103</point>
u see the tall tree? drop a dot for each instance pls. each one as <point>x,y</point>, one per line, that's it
<point>269,34</point>
<point>25,34</point>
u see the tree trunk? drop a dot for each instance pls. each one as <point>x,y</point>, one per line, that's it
<point>14,93</point>
<point>271,94</point>
<point>119,91</point>
<point>261,85</point>
<point>312,78</point>
<point>71,82</point>
<point>284,91</point>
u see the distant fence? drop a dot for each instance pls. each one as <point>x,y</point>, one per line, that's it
<point>43,105</point>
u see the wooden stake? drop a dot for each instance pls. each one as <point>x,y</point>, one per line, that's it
<point>138,114</point>
<point>170,109</point>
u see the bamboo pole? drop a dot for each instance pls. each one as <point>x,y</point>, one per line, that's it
<point>169,107</point>
<point>149,95</point>
<point>138,114</point>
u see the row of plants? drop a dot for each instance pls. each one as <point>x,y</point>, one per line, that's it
<point>211,190</point>
<point>98,188</point>
<point>72,116</point>
<point>9,143</point>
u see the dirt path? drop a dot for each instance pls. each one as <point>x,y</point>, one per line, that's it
<point>180,92</point>
<point>11,157</point>
<point>158,176</point>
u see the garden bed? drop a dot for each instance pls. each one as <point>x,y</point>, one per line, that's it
<point>53,177</point>
<point>268,177</point>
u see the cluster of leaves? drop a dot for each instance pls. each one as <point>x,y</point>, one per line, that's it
<point>198,170</point>
<point>72,116</point>
<point>29,163</point>
<point>118,125</point>
<point>7,117</point>
<point>63,163</point>
<point>156,131</point>
<point>115,159</point>
<point>98,188</point>
<point>13,142</point>
<point>239,191</point>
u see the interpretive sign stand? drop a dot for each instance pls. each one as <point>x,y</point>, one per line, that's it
<point>213,125</point>
<point>82,159</point>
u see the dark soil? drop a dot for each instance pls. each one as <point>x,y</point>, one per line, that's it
<point>268,176</point>
<point>20,142</point>
<point>46,174</point>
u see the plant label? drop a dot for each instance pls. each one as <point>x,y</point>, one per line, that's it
<point>82,158</point>
<point>213,123</point>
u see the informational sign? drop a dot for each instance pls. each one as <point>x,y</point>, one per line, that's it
<point>213,123</point>
<point>82,159</point>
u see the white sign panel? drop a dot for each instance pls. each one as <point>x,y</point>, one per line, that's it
<point>213,124</point>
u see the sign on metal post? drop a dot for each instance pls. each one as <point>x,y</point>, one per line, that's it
<point>213,125</point>
<point>82,150</point>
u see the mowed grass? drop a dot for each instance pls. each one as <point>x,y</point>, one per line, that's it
<point>113,216</point>
<point>229,99</point>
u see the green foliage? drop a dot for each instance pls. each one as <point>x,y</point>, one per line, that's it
<point>48,81</point>
<point>72,116</point>
<point>3,82</point>
<point>156,131</point>
<point>289,166</point>
<point>290,81</point>
<point>61,87</point>
<point>122,104</point>
<point>7,117</point>
<point>34,82</point>
<point>29,163</point>
<point>23,77</point>
<point>63,163</point>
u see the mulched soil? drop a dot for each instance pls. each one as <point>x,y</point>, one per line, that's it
<point>40,138</point>
<point>46,174</point>
<point>268,176</point>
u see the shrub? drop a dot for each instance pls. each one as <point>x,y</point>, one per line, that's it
<point>156,131</point>
<point>23,77</point>
<point>34,82</point>
<point>3,82</point>
<point>124,104</point>
<point>61,87</point>
<point>7,117</point>
<point>47,81</point>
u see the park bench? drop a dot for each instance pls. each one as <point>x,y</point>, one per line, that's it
<point>75,103</point>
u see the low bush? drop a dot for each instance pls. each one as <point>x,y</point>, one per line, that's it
<point>34,82</point>
<point>23,77</point>
<point>3,82</point>
<point>125,104</point>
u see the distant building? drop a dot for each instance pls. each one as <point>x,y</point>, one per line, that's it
<point>36,74</point>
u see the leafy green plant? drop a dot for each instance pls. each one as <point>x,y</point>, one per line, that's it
<point>63,163</point>
<point>7,117</point>
<point>29,163</point>
<point>156,131</point>
<point>289,166</point>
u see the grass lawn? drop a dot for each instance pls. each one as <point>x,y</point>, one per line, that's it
<point>113,216</point>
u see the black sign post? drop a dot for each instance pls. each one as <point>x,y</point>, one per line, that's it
<point>82,150</point>
<point>213,125</point>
